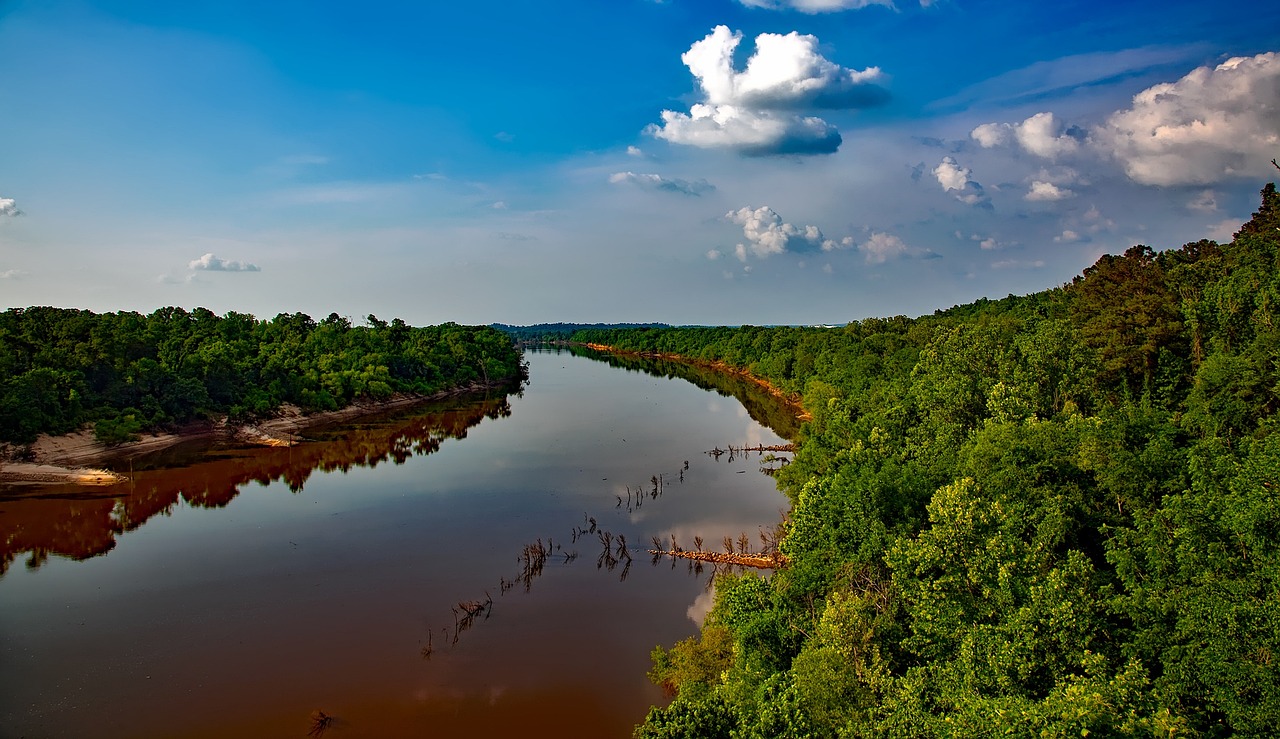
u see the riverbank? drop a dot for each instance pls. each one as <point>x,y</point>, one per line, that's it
<point>791,400</point>
<point>70,459</point>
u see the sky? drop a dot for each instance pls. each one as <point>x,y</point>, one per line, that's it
<point>687,161</point>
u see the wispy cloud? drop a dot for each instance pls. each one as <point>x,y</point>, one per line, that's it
<point>820,6</point>
<point>666,184</point>
<point>211,263</point>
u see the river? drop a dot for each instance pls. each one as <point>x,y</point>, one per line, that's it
<point>431,572</point>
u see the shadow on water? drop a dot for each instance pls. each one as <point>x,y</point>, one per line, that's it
<point>79,524</point>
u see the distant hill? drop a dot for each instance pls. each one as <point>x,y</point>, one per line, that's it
<point>554,331</point>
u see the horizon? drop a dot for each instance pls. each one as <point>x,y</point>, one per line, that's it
<point>741,162</point>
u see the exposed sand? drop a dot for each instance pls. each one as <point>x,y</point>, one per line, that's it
<point>61,459</point>
<point>29,473</point>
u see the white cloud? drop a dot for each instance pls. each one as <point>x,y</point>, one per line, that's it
<point>1047,192</point>
<point>951,175</point>
<point>786,72</point>
<point>210,263</point>
<point>1041,135</point>
<point>747,132</point>
<point>713,254</point>
<point>1066,237</point>
<point>9,207</point>
<point>665,184</point>
<point>990,135</point>
<point>954,177</point>
<point>758,111</point>
<point>12,274</point>
<point>1209,126</point>
<point>833,245</point>
<point>1206,201</point>
<point>881,247</point>
<point>634,151</point>
<point>499,205</point>
<point>767,234</point>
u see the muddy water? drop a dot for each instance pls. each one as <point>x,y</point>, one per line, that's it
<point>239,592</point>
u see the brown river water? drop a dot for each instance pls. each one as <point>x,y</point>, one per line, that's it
<point>427,573</point>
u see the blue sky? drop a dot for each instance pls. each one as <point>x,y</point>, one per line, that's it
<point>735,161</point>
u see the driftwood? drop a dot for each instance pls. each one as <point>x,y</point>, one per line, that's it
<point>758,560</point>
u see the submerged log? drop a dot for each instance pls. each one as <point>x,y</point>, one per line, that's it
<point>760,561</point>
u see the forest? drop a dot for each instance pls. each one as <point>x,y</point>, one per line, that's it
<point>124,373</point>
<point>1051,515</point>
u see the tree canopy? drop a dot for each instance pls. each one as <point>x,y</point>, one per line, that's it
<point>125,372</point>
<point>1050,515</point>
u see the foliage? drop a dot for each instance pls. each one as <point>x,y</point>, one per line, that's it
<point>1049,515</point>
<point>126,372</point>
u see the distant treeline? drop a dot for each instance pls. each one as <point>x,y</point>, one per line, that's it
<point>1053,515</point>
<point>561,331</point>
<point>126,372</point>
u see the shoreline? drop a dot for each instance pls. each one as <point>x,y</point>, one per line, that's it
<point>791,400</point>
<point>67,459</point>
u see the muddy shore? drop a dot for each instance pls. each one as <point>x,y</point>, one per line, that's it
<point>69,459</point>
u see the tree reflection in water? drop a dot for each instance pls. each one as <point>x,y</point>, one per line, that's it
<point>79,523</point>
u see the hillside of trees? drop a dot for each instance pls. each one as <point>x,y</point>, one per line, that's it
<point>125,372</point>
<point>1052,515</point>
<point>561,331</point>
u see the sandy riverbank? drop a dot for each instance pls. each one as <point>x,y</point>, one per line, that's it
<point>65,460</point>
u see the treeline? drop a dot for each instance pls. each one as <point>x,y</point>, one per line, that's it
<point>1053,515</point>
<point>561,331</point>
<point>126,372</point>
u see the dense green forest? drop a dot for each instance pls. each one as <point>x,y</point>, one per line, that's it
<point>1053,515</point>
<point>126,372</point>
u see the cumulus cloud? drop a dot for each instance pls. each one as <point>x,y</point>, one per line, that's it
<point>758,110</point>
<point>9,207</point>
<point>665,184</point>
<point>881,247</point>
<point>1041,135</point>
<point>1047,192</point>
<point>767,234</point>
<point>634,151</point>
<point>210,263</point>
<point>955,178</point>
<point>1211,125</point>
<point>786,72</point>
<point>1067,237</point>
<point>951,175</point>
<point>748,132</point>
